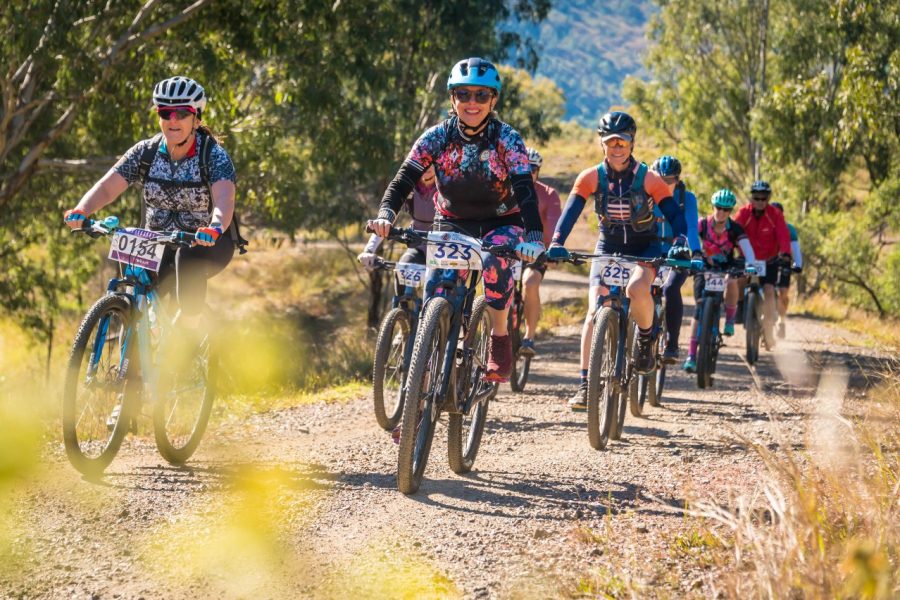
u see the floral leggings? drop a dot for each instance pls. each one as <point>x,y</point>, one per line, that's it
<point>498,279</point>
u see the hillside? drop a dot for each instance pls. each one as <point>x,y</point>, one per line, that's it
<point>589,47</point>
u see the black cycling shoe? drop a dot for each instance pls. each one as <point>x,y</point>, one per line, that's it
<point>670,356</point>
<point>644,359</point>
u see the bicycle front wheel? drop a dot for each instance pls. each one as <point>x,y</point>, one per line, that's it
<point>621,401</point>
<point>98,393</point>
<point>518,377</point>
<point>421,406</point>
<point>705,347</point>
<point>752,327</point>
<point>390,368</point>
<point>184,401</point>
<point>601,396</point>
<point>464,432</point>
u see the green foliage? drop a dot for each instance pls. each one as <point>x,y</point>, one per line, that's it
<point>316,102</point>
<point>802,93</point>
<point>534,107</point>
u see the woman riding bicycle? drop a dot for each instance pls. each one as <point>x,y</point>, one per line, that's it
<point>484,187</point>
<point>627,226</point>
<point>720,236</point>
<point>175,195</point>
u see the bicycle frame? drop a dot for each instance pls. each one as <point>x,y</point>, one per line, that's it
<point>460,293</point>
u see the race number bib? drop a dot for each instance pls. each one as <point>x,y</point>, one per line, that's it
<point>451,250</point>
<point>410,274</point>
<point>137,247</point>
<point>662,275</point>
<point>516,268</point>
<point>715,282</point>
<point>760,266</point>
<point>617,273</point>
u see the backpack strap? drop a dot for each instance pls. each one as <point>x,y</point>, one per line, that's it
<point>145,162</point>
<point>603,189</point>
<point>204,151</point>
<point>638,184</point>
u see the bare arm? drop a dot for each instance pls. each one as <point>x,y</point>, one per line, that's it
<point>223,202</point>
<point>104,192</point>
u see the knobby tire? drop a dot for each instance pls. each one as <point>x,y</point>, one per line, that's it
<point>601,369</point>
<point>389,370</point>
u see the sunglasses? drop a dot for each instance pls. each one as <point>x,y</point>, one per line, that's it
<point>723,209</point>
<point>760,198</point>
<point>670,178</point>
<point>180,112</point>
<point>480,97</point>
<point>616,143</point>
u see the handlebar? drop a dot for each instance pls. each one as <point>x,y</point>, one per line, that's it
<point>109,225</point>
<point>412,236</point>
<point>578,258</point>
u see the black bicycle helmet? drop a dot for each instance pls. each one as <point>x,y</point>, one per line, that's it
<point>760,187</point>
<point>617,124</point>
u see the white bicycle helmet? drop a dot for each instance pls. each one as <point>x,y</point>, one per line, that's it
<point>179,91</point>
<point>534,158</point>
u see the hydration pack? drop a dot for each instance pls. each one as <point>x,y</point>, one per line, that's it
<point>205,145</point>
<point>642,218</point>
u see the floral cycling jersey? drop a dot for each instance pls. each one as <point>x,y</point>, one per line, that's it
<point>479,178</point>
<point>174,193</point>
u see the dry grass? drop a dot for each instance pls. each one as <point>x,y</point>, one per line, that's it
<point>821,306</point>
<point>824,522</point>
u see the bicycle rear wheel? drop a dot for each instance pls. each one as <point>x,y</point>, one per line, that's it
<point>601,398</point>
<point>184,400</point>
<point>98,395</point>
<point>390,368</point>
<point>464,432</point>
<point>421,408</point>
<point>518,377</point>
<point>705,344</point>
<point>752,327</point>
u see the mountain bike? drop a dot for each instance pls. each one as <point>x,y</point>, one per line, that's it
<point>649,387</point>
<point>611,366</point>
<point>449,356</point>
<point>518,377</point>
<point>754,300</point>
<point>709,335</point>
<point>394,344</point>
<point>114,365</point>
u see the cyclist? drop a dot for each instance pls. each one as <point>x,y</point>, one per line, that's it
<point>783,284</point>
<point>771,241</point>
<point>533,274</point>
<point>420,206</point>
<point>174,194</point>
<point>720,236</point>
<point>484,187</point>
<point>669,169</point>
<point>627,226</point>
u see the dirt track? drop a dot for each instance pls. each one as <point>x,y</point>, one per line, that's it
<point>540,510</point>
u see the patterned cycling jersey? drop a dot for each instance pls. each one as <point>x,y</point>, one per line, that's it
<point>473,175</point>
<point>174,192</point>
<point>722,243</point>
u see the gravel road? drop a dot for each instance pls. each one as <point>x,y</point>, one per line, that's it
<point>303,501</point>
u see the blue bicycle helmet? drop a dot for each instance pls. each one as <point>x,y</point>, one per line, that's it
<point>666,166</point>
<point>474,71</point>
<point>777,205</point>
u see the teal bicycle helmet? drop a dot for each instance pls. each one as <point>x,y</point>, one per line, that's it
<point>724,198</point>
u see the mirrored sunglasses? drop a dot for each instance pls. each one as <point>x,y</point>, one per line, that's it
<point>180,112</point>
<point>480,96</point>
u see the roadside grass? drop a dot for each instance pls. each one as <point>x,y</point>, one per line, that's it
<point>836,314</point>
<point>569,311</point>
<point>824,521</point>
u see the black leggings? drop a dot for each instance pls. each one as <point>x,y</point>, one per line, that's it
<point>674,310</point>
<point>186,270</point>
